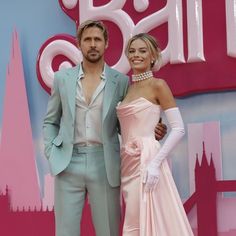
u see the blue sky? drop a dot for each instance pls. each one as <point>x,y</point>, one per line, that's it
<point>35,22</point>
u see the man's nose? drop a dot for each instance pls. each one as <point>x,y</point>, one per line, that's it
<point>93,43</point>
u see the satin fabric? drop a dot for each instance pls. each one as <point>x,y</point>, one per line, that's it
<point>159,212</point>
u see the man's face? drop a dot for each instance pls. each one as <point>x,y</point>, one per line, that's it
<point>92,44</point>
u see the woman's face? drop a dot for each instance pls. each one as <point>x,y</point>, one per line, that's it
<point>139,56</point>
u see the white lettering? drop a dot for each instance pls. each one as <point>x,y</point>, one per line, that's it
<point>230,6</point>
<point>195,35</point>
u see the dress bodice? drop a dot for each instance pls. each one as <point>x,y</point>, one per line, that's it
<point>138,118</point>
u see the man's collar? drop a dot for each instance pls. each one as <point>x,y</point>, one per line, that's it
<point>81,72</point>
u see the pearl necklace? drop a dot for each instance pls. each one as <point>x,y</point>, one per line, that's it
<point>142,76</point>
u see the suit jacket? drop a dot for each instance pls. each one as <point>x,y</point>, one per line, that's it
<point>58,126</point>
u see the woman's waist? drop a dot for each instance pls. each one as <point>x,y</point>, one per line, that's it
<point>127,139</point>
<point>139,149</point>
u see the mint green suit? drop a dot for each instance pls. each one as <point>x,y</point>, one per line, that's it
<point>103,165</point>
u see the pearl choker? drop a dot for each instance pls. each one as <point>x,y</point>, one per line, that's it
<point>142,76</point>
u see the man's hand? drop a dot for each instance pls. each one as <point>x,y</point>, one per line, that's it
<point>160,130</point>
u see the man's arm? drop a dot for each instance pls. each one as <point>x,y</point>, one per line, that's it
<point>51,124</point>
<point>160,130</point>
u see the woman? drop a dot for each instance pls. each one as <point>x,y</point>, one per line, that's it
<point>153,205</point>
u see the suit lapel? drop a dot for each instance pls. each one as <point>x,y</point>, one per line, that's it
<point>70,84</point>
<point>70,81</point>
<point>110,88</point>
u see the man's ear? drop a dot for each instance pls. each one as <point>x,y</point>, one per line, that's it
<point>106,46</point>
<point>78,45</point>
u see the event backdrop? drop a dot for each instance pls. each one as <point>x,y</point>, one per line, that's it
<point>198,39</point>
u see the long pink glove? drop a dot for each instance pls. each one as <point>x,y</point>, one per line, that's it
<point>177,132</point>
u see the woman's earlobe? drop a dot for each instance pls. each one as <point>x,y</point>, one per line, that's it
<point>153,63</point>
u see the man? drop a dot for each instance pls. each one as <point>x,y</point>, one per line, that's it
<point>81,137</point>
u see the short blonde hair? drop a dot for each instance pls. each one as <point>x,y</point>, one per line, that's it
<point>151,43</point>
<point>91,23</point>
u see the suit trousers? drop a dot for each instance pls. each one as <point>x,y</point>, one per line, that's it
<point>86,174</point>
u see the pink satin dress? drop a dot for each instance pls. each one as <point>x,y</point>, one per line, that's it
<point>159,212</point>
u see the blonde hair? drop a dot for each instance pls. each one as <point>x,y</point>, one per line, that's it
<point>91,23</point>
<point>151,43</point>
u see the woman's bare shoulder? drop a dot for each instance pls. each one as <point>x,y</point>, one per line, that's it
<point>159,83</point>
